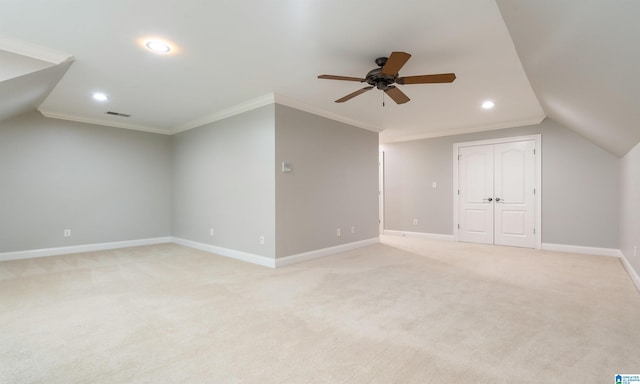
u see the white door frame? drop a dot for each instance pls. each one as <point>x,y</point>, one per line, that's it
<point>381,192</point>
<point>538,182</point>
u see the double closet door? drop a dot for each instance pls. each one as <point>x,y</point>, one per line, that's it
<point>496,193</point>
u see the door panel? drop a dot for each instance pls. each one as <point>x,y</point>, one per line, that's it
<point>496,197</point>
<point>475,187</point>
<point>476,220</point>
<point>514,194</point>
<point>510,172</point>
<point>513,222</point>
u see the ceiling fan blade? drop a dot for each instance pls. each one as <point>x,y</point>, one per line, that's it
<point>332,77</point>
<point>397,95</point>
<point>354,94</point>
<point>427,79</point>
<point>396,61</point>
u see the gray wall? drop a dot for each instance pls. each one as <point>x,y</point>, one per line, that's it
<point>104,184</point>
<point>333,184</point>
<point>109,184</point>
<point>630,206</point>
<point>579,184</point>
<point>223,178</point>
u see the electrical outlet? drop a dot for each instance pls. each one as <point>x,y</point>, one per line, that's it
<point>261,240</point>
<point>353,229</point>
<point>415,221</point>
<point>211,232</point>
<point>67,233</point>
<point>338,232</point>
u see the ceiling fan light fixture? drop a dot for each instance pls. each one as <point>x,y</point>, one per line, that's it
<point>488,104</point>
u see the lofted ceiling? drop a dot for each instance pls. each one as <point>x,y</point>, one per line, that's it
<point>582,58</point>
<point>235,54</point>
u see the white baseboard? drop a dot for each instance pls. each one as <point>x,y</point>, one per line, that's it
<point>33,253</point>
<point>226,252</point>
<point>305,256</point>
<point>582,249</point>
<point>288,260</point>
<point>422,235</point>
<point>545,246</point>
<point>630,271</point>
<point>273,263</point>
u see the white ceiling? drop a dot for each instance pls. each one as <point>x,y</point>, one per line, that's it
<point>231,53</point>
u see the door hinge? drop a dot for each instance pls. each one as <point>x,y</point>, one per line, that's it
<point>534,191</point>
<point>458,226</point>
<point>459,156</point>
<point>534,151</point>
<point>458,192</point>
<point>534,231</point>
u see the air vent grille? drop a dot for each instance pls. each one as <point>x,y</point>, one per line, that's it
<point>117,114</point>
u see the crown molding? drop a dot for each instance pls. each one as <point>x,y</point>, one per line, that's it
<point>270,98</point>
<point>289,102</point>
<point>227,112</point>
<point>274,98</point>
<point>464,130</point>
<point>79,119</point>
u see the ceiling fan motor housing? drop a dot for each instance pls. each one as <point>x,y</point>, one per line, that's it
<point>386,75</point>
<point>379,80</point>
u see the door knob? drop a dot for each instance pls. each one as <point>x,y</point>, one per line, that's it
<point>498,200</point>
<point>489,199</point>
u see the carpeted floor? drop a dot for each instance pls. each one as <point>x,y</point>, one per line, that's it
<point>404,311</point>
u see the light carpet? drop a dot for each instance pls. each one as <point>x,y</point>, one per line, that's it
<point>404,311</point>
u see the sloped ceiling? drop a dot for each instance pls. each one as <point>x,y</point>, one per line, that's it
<point>27,92</point>
<point>582,58</point>
<point>27,76</point>
<point>570,60</point>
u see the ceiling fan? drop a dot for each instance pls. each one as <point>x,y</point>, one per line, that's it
<point>384,77</point>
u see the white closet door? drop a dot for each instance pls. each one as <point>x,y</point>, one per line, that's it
<point>514,198</point>
<point>475,194</point>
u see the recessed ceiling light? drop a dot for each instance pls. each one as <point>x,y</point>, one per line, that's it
<point>157,46</point>
<point>99,96</point>
<point>488,104</point>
